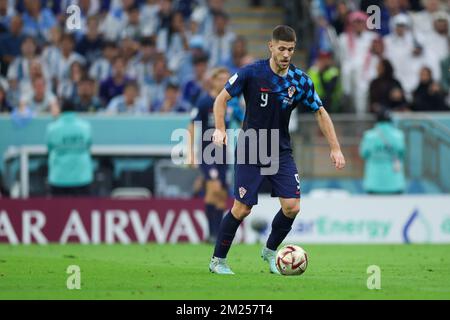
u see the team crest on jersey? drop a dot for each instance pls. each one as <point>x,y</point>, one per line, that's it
<point>242,192</point>
<point>291,91</point>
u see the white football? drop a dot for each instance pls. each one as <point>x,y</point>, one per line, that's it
<point>292,260</point>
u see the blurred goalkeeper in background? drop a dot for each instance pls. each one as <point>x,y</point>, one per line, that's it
<point>216,194</point>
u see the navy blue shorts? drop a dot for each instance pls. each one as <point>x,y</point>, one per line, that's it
<point>248,179</point>
<point>215,171</point>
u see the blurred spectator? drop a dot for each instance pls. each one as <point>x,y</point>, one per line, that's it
<point>423,20</point>
<point>19,69</point>
<point>330,19</point>
<point>383,149</point>
<point>196,50</point>
<point>37,69</point>
<point>436,43</point>
<point>325,39</point>
<point>10,43</point>
<point>141,67</point>
<point>354,49</point>
<point>239,55</point>
<point>37,21</point>
<point>91,44</point>
<point>220,41</point>
<point>164,15</point>
<point>129,102</point>
<point>203,16</point>
<point>114,85</point>
<point>372,60</point>
<point>325,76</point>
<point>101,69</point>
<point>86,99</point>
<point>39,100</point>
<point>133,27</point>
<point>192,89</point>
<point>70,167</point>
<point>186,7</point>
<point>428,96</point>
<point>128,50</point>
<point>339,20</point>
<point>149,17</point>
<point>67,88</point>
<point>405,53</point>
<point>5,106</point>
<point>385,91</point>
<point>52,52</point>
<point>116,20</point>
<point>173,41</point>
<point>60,67</point>
<point>172,101</point>
<point>153,92</point>
<point>6,14</point>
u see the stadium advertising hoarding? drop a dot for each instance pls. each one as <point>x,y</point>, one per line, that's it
<point>361,219</point>
<point>91,221</point>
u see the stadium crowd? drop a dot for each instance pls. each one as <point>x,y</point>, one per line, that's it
<point>398,60</point>
<point>136,56</point>
<point>127,56</point>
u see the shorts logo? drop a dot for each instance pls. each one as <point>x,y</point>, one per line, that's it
<point>297,178</point>
<point>291,91</point>
<point>242,192</point>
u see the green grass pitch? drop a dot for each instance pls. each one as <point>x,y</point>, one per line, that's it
<point>180,272</point>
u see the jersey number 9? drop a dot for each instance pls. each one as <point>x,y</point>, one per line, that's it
<point>265,99</point>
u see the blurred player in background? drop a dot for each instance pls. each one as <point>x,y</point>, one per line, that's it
<point>272,88</point>
<point>215,174</point>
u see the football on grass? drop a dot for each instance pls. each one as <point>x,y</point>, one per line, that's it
<point>292,260</point>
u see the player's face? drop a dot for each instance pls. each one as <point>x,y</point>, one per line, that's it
<point>282,52</point>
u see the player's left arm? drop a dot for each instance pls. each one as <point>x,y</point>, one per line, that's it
<point>327,128</point>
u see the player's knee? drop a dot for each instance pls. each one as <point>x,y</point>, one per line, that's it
<point>291,210</point>
<point>240,211</point>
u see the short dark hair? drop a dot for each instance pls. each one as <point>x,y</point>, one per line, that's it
<point>68,36</point>
<point>148,41</point>
<point>173,84</point>
<point>86,78</point>
<point>132,84</point>
<point>383,115</point>
<point>67,105</point>
<point>221,14</point>
<point>109,44</point>
<point>202,58</point>
<point>284,33</point>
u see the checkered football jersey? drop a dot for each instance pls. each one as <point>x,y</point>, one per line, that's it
<point>270,98</point>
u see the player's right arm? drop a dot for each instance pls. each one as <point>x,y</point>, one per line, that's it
<point>220,108</point>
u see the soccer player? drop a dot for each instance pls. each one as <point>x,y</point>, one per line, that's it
<point>272,88</point>
<point>216,187</point>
